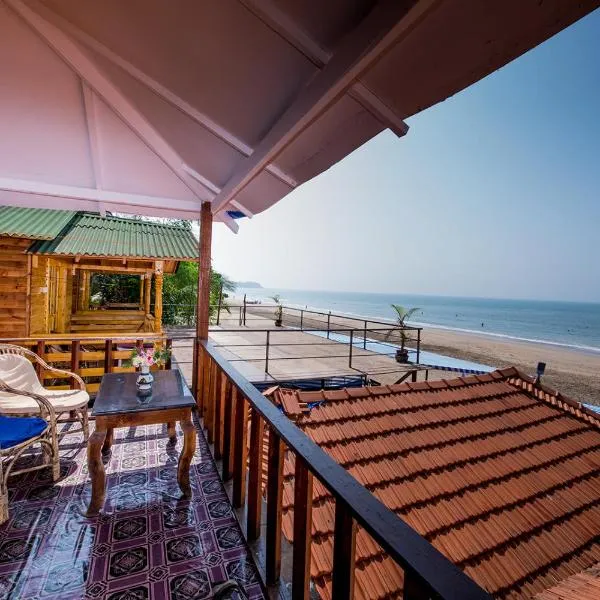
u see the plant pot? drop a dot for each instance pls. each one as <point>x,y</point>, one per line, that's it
<point>144,382</point>
<point>402,355</point>
<point>278,322</point>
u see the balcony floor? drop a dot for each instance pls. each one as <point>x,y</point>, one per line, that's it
<point>147,543</point>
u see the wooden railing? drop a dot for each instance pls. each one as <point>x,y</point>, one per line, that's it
<point>88,357</point>
<point>224,397</point>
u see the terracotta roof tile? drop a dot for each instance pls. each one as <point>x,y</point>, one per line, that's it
<point>500,474</point>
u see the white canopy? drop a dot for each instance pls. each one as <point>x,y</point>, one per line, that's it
<point>153,106</point>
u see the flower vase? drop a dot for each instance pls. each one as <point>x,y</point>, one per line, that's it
<point>144,381</point>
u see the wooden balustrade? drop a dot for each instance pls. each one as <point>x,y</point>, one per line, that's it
<point>225,404</point>
<point>89,358</point>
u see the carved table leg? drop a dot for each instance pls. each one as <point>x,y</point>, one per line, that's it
<point>96,471</point>
<point>108,441</point>
<point>172,432</point>
<point>185,458</point>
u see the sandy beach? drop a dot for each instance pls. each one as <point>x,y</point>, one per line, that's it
<point>573,373</point>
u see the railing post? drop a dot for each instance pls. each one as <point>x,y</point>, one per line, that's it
<point>228,437</point>
<point>365,337</point>
<point>267,351</point>
<point>255,476</point>
<point>108,356</point>
<point>240,452</point>
<point>303,496</point>
<point>75,349</point>
<point>209,419</point>
<point>351,346</point>
<point>344,546</point>
<point>328,323</point>
<point>169,347</point>
<point>244,319</point>
<point>240,317</point>
<point>219,414</point>
<point>274,504</point>
<point>301,318</point>
<point>418,345</point>
<point>40,351</point>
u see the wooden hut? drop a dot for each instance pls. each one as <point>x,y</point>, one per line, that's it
<point>48,257</point>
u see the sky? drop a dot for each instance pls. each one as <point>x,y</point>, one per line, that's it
<point>493,193</point>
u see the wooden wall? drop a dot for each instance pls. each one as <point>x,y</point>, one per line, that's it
<point>14,287</point>
<point>40,270</point>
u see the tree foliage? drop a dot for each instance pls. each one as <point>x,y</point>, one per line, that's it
<point>180,292</point>
<point>108,288</point>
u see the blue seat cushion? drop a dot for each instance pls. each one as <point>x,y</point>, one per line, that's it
<point>15,430</point>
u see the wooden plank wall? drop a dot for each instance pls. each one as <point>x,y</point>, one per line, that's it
<point>39,295</point>
<point>14,287</point>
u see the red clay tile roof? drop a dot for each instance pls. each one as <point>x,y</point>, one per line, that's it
<point>582,586</point>
<point>501,476</point>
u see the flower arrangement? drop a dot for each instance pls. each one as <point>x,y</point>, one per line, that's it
<point>149,357</point>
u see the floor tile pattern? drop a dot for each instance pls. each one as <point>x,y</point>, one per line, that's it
<point>147,543</point>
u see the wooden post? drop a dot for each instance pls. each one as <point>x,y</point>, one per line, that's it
<point>141,291</point>
<point>203,300</point>
<point>255,476</point>
<point>219,413</point>
<point>274,507</point>
<point>158,287</point>
<point>228,434</point>
<point>344,547</point>
<point>240,456</point>
<point>147,293</point>
<point>75,349</point>
<point>40,351</point>
<point>108,356</point>
<point>303,496</point>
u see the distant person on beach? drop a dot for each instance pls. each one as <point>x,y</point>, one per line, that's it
<point>482,324</point>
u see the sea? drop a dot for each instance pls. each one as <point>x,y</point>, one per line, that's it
<point>574,325</point>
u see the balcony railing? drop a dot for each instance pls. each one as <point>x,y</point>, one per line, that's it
<point>223,400</point>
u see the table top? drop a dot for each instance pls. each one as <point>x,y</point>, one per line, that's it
<point>118,394</point>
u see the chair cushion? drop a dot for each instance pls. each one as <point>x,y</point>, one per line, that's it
<point>14,430</point>
<point>18,372</point>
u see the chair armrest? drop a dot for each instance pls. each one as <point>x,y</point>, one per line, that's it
<point>45,404</point>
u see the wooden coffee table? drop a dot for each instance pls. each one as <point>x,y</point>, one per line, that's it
<point>118,405</point>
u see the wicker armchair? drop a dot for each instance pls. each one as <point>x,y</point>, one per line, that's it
<point>20,388</point>
<point>18,434</point>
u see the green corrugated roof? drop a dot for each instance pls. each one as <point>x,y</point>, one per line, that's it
<point>93,235</point>
<point>33,223</point>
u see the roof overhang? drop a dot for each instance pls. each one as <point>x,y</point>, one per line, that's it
<point>154,107</point>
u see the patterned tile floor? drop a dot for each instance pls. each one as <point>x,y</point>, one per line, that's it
<point>148,543</point>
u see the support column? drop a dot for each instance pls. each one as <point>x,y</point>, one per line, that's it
<point>141,291</point>
<point>158,287</point>
<point>203,311</point>
<point>147,293</point>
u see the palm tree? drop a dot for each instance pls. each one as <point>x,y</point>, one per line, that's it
<point>402,315</point>
<point>279,310</point>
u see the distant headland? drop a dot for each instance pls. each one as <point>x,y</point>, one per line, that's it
<point>248,284</point>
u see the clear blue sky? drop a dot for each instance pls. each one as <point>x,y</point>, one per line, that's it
<point>493,193</point>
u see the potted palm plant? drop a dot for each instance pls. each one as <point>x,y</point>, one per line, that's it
<point>278,310</point>
<point>402,315</point>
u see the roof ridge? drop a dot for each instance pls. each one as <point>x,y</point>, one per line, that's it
<point>98,216</point>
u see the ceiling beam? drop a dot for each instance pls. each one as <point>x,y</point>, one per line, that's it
<point>89,107</point>
<point>36,194</point>
<point>377,33</point>
<point>87,70</point>
<point>160,90</point>
<point>278,20</point>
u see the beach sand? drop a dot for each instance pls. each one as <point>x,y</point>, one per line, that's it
<point>573,373</point>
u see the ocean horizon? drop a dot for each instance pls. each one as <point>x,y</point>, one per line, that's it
<point>573,325</point>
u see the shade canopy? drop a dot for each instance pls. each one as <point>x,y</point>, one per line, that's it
<point>152,107</point>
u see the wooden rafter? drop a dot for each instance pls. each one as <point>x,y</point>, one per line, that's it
<point>376,34</point>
